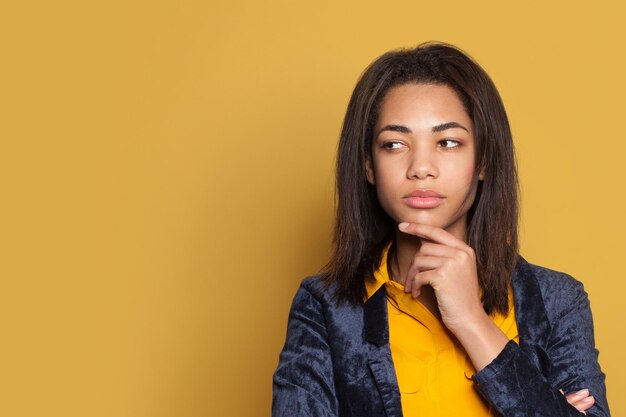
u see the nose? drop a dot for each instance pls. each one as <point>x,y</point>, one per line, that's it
<point>422,165</point>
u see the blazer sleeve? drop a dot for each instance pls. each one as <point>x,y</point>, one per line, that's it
<point>516,387</point>
<point>303,382</point>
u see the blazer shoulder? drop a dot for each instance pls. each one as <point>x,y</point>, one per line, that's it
<point>550,280</point>
<point>317,287</point>
<point>559,290</point>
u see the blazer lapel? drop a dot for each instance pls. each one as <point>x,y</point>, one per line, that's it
<point>376,332</point>
<point>530,315</point>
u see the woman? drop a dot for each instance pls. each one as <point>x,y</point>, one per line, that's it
<point>425,307</point>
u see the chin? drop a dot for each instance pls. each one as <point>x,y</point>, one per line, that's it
<point>449,224</point>
<point>425,219</point>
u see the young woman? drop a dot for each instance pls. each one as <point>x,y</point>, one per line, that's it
<point>426,308</point>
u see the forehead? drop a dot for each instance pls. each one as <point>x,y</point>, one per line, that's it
<point>422,103</point>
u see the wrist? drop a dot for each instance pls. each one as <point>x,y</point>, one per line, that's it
<point>482,340</point>
<point>470,324</point>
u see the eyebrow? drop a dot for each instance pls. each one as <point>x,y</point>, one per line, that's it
<point>437,128</point>
<point>449,125</point>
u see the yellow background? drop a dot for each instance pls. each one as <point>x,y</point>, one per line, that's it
<point>167,177</point>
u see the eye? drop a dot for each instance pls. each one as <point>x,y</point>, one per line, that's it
<point>392,145</point>
<point>449,143</point>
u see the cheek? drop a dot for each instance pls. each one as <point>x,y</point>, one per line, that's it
<point>387,177</point>
<point>458,169</point>
<point>458,179</point>
<point>387,185</point>
<point>465,171</point>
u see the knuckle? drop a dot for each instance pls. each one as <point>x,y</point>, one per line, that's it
<point>463,256</point>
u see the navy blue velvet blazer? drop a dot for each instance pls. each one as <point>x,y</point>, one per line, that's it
<point>337,362</point>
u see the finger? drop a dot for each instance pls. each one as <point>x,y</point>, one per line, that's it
<point>584,404</point>
<point>424,263</point>
<point>588,402</point>
<point>437,249</point>
<point>421,264</point>
<point>435,234</point>
<point>408,285</point>
<point>418,281</point>
<point>578,395</point>
<point>581,400</point>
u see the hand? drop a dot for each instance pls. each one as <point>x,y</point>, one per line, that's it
<point>580,400</point>
<point>448,265</point>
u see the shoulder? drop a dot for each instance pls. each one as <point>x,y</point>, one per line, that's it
<point>315,286</point>
<point>550,280</point>
<point>315,310</point>
<point>315,290</point>
<point>316,294</point>
<point>558,290</point>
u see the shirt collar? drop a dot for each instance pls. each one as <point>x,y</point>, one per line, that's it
<point>381,277</point>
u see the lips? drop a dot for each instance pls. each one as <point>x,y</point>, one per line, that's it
<point>423,199</point>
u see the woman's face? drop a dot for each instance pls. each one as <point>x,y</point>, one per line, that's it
<point>423,157</point>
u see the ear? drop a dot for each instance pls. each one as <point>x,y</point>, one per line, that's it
<point>481,174</point>
<point>369,171</point>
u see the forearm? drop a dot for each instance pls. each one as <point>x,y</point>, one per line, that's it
<point>515,387</point>
<point>510,380</point>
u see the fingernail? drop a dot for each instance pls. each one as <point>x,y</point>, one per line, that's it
<point>588,399</point>
<point>403,226</point>
<point>583,392</point>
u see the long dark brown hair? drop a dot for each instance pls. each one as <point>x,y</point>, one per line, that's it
<point>362,228</point>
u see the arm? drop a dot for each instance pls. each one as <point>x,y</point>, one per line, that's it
<point>303,381</point>
<point>515,386</point>
<point>576,365</point>
<point>505,376</point>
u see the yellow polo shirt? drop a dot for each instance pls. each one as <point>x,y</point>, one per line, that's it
<point>434,372</point>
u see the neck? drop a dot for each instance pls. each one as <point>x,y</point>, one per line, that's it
<point>406,246</point>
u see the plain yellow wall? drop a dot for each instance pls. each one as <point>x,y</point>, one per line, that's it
<point>167,177</point>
